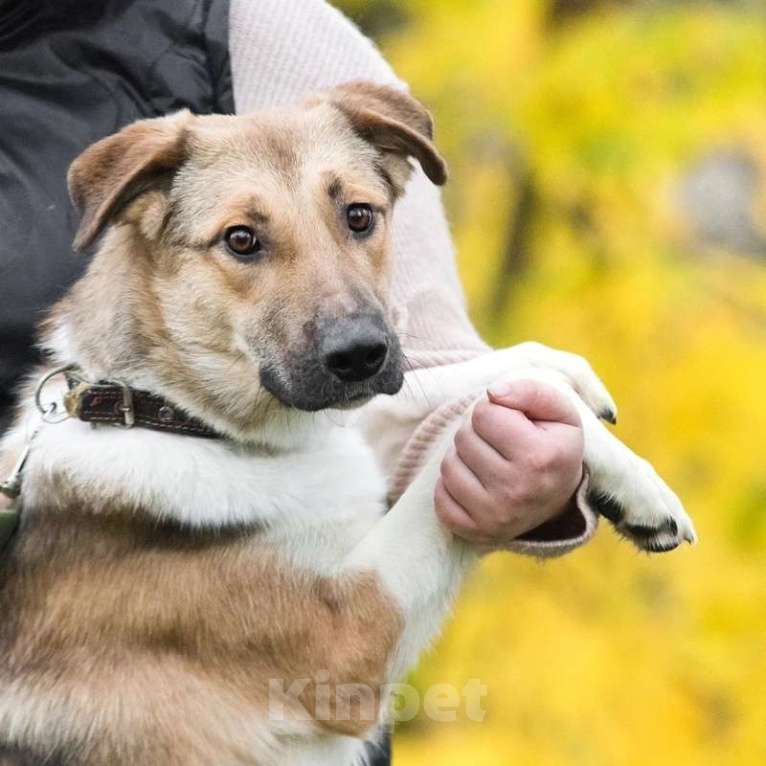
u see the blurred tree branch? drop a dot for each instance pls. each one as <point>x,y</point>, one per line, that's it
<point>515,257</point>
<point>562,11</point>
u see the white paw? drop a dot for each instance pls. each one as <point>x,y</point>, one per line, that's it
<point>578,373</point>
<point>641,506</point>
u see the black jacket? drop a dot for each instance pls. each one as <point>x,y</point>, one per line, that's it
<point>72,72</point>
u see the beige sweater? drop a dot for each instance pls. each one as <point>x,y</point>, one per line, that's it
<point>284,49</point>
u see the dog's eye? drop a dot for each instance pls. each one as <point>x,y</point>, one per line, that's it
<point>360,218</point>
<point>241,241</point>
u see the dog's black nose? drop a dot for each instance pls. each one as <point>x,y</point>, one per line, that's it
<point>354,348</point>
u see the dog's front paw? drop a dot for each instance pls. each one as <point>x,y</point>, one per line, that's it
<point>642,507</point>
<point>576,371</point>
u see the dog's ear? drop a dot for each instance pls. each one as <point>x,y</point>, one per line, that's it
<point>396,124</point>
<point>118,168</point>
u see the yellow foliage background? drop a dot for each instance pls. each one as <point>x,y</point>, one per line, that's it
<point>609,656</point>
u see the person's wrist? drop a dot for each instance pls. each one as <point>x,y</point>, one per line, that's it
<point>566,523</point>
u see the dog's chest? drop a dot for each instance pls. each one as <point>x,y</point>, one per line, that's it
<point>332,499</point>
<point>313,502</point>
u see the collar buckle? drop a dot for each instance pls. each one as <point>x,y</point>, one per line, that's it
<point>128,413</point>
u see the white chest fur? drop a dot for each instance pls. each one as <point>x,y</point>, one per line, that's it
<point>315,500</point>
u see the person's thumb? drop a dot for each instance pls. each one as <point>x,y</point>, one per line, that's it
<point>538,401</point>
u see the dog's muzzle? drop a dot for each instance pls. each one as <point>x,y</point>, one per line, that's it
<point>352,359</point>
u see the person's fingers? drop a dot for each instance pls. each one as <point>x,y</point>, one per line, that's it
<point>456,518</point>
<point>462,483</point>
<point>489,465</point>
<point>508,431</point>
<point>538,401</point>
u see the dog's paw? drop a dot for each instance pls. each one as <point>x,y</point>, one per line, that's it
<point>642,508</point>
<point>577,372</point>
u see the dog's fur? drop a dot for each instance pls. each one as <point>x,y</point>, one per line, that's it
<point>159,583</point>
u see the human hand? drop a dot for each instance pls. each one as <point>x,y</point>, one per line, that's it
<point>514,464</point>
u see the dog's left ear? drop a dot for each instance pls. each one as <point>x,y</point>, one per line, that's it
<point>115,170</point>
<point>397,125</point>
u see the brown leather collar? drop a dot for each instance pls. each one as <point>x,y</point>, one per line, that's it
<point>116,403</point>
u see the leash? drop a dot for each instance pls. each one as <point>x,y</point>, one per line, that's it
<point>10,517</point>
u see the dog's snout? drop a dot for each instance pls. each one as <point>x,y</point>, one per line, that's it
<point>354,349</point>
<point>349,359</point>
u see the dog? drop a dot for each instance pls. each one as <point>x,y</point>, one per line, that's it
<point>235,320</point>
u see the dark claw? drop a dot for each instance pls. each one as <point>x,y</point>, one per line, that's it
<point>609,415</point>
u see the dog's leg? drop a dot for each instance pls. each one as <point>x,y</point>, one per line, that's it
<point>426,389</point>
<point>421,565</point>
<point>624,488</point>
<point>417,561</point>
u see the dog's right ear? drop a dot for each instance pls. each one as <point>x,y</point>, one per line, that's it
<point>115,170</point>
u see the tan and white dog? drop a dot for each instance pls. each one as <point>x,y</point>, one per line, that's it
<point>159,583</point>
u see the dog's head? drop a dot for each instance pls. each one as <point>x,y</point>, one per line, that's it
<point>247,258</point>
